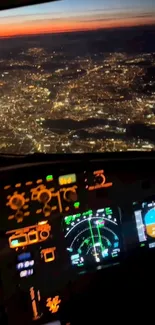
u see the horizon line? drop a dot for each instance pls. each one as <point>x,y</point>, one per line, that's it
<point>75,31</point>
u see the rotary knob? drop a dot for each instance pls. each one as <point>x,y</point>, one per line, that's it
<point>99,179</point>
<point>16,202</point>
<point>70,195</point>
<point>44,196</point>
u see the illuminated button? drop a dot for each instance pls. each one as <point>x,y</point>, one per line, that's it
<point>33,237</point>
<point>48,254</point>
<point>26,214</point>
<point>18,241</point>
<point>28,183</point>
<point>54,208</point>
<point>39,181</point>
<point>44,234</point>
<point>25,207</point>
<point>7,187</point>
<point>76,205</point>
<point>34,304</point>
<point>41,223</point>
<point>18,185</point>
<point>67,179</point>
<point>38,211</point>
<point>11,217</point>
<point>49,178</point>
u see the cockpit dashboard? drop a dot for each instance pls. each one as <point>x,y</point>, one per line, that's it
<point>68,223</point>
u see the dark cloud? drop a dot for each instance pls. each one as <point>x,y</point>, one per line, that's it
<point>117,17</point>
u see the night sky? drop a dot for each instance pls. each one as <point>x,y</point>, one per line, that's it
<point>72,15</point>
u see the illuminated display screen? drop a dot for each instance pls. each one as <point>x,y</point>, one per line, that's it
<point>25,264</point>
<point>67,179</point>
<point>92,236</point>
<point>145,222</point>
<point>24,256</point>
<point>26,273</point>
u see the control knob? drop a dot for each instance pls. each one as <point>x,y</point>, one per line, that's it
<point>99,179</point>
<point>70,195</point>
<point>16,201</point>
<point>44,196</point>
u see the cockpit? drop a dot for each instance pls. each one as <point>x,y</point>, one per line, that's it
<point>77,157</point>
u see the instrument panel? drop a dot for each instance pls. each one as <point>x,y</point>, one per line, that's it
<point>93,236</point>
<point>62,220</point>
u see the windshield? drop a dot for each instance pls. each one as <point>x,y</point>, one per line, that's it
<point>77,76</point>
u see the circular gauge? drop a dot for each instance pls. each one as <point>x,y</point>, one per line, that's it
<point>44,196</point>
<point>99,179</point>
<point>16,201</point>
<point>70,195</point>
<point>44,234</point>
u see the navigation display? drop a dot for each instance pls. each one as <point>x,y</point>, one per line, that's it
<point>145,222</point>
<point>92,236</point>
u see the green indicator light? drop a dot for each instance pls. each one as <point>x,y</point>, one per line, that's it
<point>87,213</point>
<point>68,220</point>
<point>114,255</point>
<point>108,211</point>
<point>78,215</point>
<point>76,204</point>
<point>49,178</point>
<point>142,245</point>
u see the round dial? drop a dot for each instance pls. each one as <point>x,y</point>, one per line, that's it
<point>44,234</point>
<point>16,201</point>
<point>70,195</point>
<point>99,179</point>
<point>44,196</point>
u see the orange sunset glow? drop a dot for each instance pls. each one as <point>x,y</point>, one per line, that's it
<point>56,27</point>
<point>61,16</point>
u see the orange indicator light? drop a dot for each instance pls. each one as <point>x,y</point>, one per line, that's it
<point>42,222</point>
<point>98,172</point>
<point>7,187</point>
<point>28,183</point>
<point>38,211</point>
<point>34,304</point>
<point>48,254</point>
<point>39,181</point>
<point>53,304</point>
<point>11,217</point>
<point>18,185</point>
